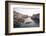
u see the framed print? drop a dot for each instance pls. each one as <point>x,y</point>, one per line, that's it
<point>24,17</point>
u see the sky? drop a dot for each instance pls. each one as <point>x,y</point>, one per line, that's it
<point>27,11</point>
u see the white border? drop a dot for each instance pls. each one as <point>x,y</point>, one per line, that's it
<point>16,30</point>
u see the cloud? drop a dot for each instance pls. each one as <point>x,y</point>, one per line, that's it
<point>27,11</point>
